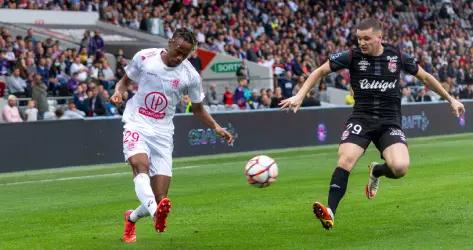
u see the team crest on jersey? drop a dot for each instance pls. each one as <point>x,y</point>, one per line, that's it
<point>156,103</point>
<point>363,64</point>
<point>175,83</point>
<point>392,64</point>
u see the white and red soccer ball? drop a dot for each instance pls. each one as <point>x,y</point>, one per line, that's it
<point>261,171</point>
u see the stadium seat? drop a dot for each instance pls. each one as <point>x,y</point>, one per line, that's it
<point>3,88</point>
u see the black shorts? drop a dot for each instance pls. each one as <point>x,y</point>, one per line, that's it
<point>361,132</point>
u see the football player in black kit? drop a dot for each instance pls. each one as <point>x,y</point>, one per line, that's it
<point>375,74</point>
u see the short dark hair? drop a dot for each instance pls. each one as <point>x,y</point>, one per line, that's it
<point>185,34</point>
<point>369,23</point>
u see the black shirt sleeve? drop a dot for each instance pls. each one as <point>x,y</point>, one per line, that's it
<point>409,64</point>
<point>340,60</point>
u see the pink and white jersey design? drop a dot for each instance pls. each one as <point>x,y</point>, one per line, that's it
<point>160,89</point>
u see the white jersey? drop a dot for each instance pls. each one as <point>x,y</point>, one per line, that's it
<point>160,89</point>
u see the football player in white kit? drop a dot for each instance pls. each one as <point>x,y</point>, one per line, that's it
<point>162,75</point>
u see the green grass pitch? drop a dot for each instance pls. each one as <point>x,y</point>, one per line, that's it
<point>214,207</point>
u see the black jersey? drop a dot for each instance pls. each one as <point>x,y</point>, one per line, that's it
<point>375,82</point>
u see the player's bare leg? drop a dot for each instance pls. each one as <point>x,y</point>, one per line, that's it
<point>140,167</point>
<point>348,155</point>
<point>395,167</point>
<point>160,185</point>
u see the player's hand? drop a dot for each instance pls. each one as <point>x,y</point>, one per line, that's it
<point>116,99</point>
<point>225,134</point>
<point>293,103</point>
<point>457,108</point>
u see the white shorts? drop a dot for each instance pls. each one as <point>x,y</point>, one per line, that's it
<point>157,145</point>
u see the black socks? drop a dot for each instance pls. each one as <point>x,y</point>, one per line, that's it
<point>338,187</point>
<point>383,170</point>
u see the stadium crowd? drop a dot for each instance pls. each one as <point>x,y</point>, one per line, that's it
<point>292,37</point>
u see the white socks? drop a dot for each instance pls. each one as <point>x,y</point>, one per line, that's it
<point>139,212</point>
<point>145,193</point>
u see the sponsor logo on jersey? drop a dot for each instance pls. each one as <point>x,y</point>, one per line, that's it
<point>363,64</point>
<point>156,103</point>
<point>148,55</point>
<point>392,64</point>
<point>151,74</point>
<point>335,55</point>
<point>375,84</point>
<point>398,132</point>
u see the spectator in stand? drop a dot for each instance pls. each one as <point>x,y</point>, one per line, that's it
<point>243,72</point>
<point>265,101</point>
<point>277,97</point>
<point>254,101</point>
<point>185,105</point>
<point>211,97</point>
<point>31,112</point>
<point>286,84</point>
<point>120,70</point>
<point>10,112</point>
<point>72,112</point>
<point>30,36</point>
<point>422,96</point>
<point>16,84</point>
<point>80,98</point>
<point>467,92</point>
<point>407,95</point>
<point>43,70</point>
<point>95,103</point>
<point>322,93</point>
<point>4,63</point>
<point>39,94</point>
<point>310,100</point>
<point>78,67</point>
<point>96,44</point>
<point>240,95</point>
<point>84,42</point>
<point>227,97</point>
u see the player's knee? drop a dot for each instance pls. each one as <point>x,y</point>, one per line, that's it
<point>399,167</point>
<point>346,162</point>
<point>139,165</point>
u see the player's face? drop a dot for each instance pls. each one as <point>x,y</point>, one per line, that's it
<point>179,50</point>
<point>369,41</point>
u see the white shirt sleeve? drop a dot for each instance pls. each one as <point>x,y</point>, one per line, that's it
<point>133,69</point>
<point>196,92</point>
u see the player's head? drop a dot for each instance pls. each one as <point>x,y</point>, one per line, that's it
<point>181,45</point>
<point>369,33</point>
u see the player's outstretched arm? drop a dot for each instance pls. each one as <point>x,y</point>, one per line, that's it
<point>120,88</point>
<point>202,114</point>
<point>457,107</point>
<point>295,102</point>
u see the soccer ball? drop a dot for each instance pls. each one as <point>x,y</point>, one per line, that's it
<point>261,171</point>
